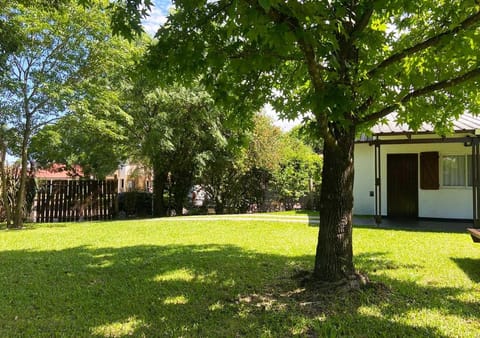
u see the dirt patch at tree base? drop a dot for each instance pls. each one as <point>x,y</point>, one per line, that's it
<point>301,293</point>
<point>354,282</point>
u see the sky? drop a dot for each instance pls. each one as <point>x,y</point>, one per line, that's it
<point>158,16</point>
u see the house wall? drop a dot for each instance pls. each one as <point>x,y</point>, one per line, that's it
<point>363,203</point>
<point>447,202</point>
<point>132,177</point>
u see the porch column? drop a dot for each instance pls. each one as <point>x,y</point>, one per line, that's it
<point>378,188</point>
<point>476,181</point>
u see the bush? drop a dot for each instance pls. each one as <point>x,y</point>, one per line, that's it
<point>135,203</point>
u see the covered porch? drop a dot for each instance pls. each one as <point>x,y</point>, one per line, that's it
<point>416,175</point>
<point>426,179</point>
<point>416,224</point>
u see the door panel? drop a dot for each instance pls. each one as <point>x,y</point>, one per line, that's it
<point>402,185</point>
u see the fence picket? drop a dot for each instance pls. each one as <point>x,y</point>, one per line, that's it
<point>73,200</point>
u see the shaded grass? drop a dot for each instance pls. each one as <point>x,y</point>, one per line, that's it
<point>221,278</point>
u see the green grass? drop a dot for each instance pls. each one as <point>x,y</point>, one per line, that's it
<point>295,212</point>
<point>229,278</point>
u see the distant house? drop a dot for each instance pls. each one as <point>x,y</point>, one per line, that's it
<point>130,176</point>
<point>134,177</point>
<point>405,173</point>
<point>59,172</point>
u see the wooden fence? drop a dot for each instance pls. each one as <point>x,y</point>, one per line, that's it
<point>75,200</point>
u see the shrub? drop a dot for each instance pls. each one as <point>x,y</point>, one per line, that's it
<point>135,203</point>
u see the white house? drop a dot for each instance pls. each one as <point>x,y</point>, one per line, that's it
<point>401,173</point>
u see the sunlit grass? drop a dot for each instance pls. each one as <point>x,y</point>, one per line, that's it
<point>229,278</point>
<point>118,329</point>
<point>295,213</point>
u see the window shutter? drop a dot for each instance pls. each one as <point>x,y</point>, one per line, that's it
<point>429,173</point>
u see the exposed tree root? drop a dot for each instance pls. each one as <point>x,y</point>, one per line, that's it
<point>314,299</point>
<point>311,296</point>
<point>353,282</point>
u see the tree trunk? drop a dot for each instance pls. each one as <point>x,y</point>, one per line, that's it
<point>21,193</point>
<point>334,255</point>
<point>159,182</point>
<point>182,183</point>
<point>18,213</point>
<point>178,206</point>
<point>219,205</point>
<point>3,182</point>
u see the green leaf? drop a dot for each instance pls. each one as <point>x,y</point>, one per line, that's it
<point>266,4</point>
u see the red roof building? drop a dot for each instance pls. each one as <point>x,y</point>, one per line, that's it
<point>59,172</point>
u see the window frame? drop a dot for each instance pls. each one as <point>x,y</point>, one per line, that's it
<point>467,168</point>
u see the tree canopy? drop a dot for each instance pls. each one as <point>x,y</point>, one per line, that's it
<point>97,108</point>
<point>175,129</point>
<point>342,64</point>
<point>42,77</point>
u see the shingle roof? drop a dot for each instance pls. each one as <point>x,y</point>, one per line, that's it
<point>465,123</point>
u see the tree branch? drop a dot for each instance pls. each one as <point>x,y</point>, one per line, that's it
<point>292,22</point>
<point>363,21</point>
<point>44,61</point>
<point>441,85</point>
<point>307,49</point>
<point>39,125</point>
<point>430,42</point>
<point>250,53</point>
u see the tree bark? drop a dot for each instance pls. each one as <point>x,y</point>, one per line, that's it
<point>159,183</point>
<point>334,255</point>
<point>182,183</point>
<point>178,196</point>
<point>18,213</point>
<point>219,205</point>
<point>3,182</point>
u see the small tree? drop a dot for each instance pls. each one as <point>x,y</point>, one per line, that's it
<point>298,175</point>
<point>223,175</point>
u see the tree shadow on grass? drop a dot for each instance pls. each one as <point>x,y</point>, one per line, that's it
<point>196,290</point>
<point>314,219</point>
<point>470,266</point>
<point>381,309</point>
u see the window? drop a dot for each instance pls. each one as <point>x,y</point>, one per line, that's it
<point>457,170</point>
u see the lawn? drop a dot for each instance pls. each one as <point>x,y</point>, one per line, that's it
<point>229,278</point>
<point>296,213</point>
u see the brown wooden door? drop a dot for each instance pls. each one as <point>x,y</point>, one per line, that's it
<point>402,185</point>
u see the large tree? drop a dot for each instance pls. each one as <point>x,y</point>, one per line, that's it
<point>39,79</point>
<point>174,130</point>
<point>347,63</point>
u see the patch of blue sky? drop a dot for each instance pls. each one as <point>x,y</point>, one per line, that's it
<point>157,17</point>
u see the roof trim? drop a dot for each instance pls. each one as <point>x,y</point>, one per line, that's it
<point>466,123</point>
